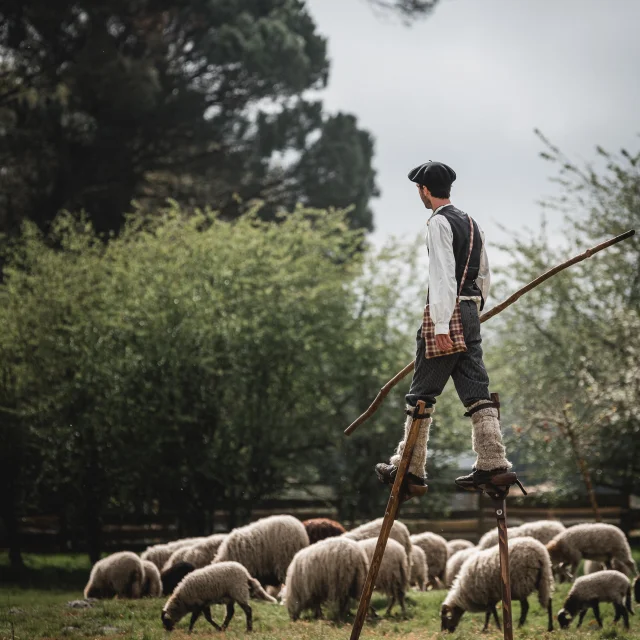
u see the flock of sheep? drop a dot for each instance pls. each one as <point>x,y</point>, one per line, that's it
<point>316,563</point>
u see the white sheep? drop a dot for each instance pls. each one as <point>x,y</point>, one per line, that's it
<point>478,586</point>
<point>120,574</point>
<point>333,570</point>
<point>542,530</point>
<point>220,583</point>
<point>152,583</point>
<point>160,553</point>
<point>265,547</point>
<point>458,544</point>
<point>454,564</point>
<point>591,541</point>
<point>199,554</point>
<point>588,591</point>
<point>435,548</point>
<point>399,533</point>
<point>419,568</point>
<point>393,575</point>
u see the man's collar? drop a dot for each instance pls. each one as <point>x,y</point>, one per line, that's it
<point>442,206</point>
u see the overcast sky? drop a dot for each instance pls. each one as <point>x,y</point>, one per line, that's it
<point>468,85</point>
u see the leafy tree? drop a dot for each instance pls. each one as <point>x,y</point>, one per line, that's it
<point>102,103</point>
<point>571,349</point>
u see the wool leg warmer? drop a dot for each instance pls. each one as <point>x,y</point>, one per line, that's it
<point>487,439</point>
<point>419,457</point>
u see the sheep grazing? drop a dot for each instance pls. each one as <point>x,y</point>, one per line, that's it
<point>399,533</point>
<point>331,571</point>
<point>179,555</point>
<point>172,577</point>
<point>588,591</point>
<point>591,566</point>
<point>542,530</point>
<point>120,574</point>
<point>478,586</point>
<point>458,544</point>
<point>160,553</point>
<point>435,548</point>
<point>602,542</point>
<point>321,528</point>
<point>454,564</point>
<point>419,568</point>
<point>199,554</point>
<point>220,583</point>
<point>393,575</point>
<point>152,583</point>
<point>265,547</point>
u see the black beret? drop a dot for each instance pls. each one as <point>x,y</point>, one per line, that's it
<point>433,175</point>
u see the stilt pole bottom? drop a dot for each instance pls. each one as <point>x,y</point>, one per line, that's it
<point>500,506</point>
<point>387,523</point>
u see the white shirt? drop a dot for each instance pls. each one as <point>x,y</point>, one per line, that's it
<point>443,288</point>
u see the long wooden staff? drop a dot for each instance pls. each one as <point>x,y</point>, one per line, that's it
<point>382,394</point>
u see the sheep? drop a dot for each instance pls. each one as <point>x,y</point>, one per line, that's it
<point>454,564</point>
<point>199,554</point>
<point>172,577</point>
<point>636,589</point>
<point>265,547</point>
<point>332,570</point>
<point>478,586</point>
<point>220,583</point>
<point>160,553</point>
<point>321,528</point>
<point>419,568</point>
<point>120,574</point>
<point>602,542</point>
<point>435,548</point>
<point>542,530</point>
<point>458,544</point>
<point>591,566</point>
<point>399,533</point>
<point>588,591</point>
<point>152,584</point>
<point>393,575</point>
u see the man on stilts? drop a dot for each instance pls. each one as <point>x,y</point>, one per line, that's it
<point>458,271</point>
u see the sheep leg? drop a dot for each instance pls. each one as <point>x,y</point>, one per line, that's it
<point>550,614</point>
<point>206,611</point>
<point>318,612</point>
<point>596,612</point>
<point>495,616</point>
<point>524,610</point>
<point>392,601</point>
<point>487,617</point>
<point>402,605</point>
<point>617,610</point>
<point>373,612</point>
<point>230,612</point>
<point>608,563</point>
<point>194,617</point>
<point>248,613</point>
<point>583,613</point>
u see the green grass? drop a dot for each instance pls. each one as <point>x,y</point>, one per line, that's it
<point>36,613</point>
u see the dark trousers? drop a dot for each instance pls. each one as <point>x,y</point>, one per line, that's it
<point>430,376</point>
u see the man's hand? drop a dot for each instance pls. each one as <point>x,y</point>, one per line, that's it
<point>444,342</point>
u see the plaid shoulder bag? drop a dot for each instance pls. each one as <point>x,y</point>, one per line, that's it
<point>456,331</point>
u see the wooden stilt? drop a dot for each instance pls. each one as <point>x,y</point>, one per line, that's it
<point>500,505</point>
<point>389,517</point>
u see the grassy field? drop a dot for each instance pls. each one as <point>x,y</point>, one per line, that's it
<point>29,612</point>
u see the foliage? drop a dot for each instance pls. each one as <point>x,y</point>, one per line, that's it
<point>205,102</point>
<point>570,351</point>
<point>192,364</point>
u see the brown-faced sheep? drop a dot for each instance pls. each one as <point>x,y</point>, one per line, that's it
<point>321,528</point>
<point>265,547</point>
<point>330,571</point>
<point>478,586</point>
<point>221,583</point>
<point>120,574</point>
<point>588,591</point>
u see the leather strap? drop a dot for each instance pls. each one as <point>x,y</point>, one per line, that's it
<point>466,266</point>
